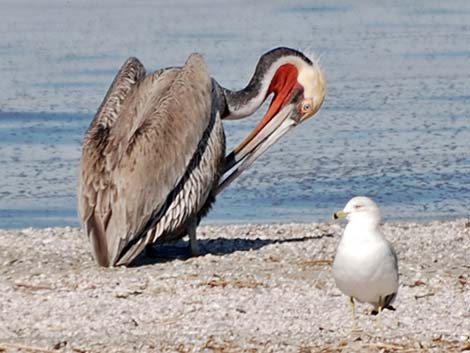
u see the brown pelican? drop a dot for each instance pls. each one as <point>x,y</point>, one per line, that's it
<point>154,153</point>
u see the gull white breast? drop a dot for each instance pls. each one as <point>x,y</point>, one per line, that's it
<point>365,266</point>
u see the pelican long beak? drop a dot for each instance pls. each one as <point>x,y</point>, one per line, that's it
<point>268,131</point>
<point>288,108</point>
<point>340,214</point>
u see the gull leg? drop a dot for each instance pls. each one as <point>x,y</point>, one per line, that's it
<point>378,321</point>
<point>353,310</point>
<point>193,245</point>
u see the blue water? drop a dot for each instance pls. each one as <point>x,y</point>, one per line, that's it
<point>394,126</point>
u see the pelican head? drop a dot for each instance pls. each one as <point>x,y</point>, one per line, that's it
<point>297,86</point>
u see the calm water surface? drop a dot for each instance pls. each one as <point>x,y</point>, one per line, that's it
<point>394,126</point>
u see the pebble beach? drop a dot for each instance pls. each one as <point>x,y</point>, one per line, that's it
<point>255,288</point>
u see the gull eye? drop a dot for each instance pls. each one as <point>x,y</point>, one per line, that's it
<point>357,207</point>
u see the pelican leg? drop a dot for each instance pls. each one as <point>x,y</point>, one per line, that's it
<point>193,245</point>
<point>150,250</point>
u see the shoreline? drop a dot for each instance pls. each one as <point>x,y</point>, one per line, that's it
<point>209,223</point>
<point>256,288</point>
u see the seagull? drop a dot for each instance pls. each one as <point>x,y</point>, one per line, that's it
<point>366,265</point>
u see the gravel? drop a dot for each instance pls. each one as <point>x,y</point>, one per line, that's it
<point>255,288</point>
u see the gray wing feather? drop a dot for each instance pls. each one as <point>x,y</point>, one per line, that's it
<point>388,300</point>
<point>148,150</point>
<point>95,191</point>
<point>395,258</point>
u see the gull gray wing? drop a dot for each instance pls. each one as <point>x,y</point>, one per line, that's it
<point>394,258</point>
<point>148,151</point>
<point>389,299</point>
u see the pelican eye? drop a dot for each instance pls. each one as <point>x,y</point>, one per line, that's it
<point>306,107</point>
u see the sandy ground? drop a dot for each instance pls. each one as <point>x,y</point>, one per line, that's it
<point>256,288</point>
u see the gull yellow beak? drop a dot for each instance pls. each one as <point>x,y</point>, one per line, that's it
<point>340,214</point>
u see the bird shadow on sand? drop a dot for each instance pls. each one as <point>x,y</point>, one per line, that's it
<point>218,247</point>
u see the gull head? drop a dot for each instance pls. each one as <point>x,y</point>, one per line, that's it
<point>360,208</point>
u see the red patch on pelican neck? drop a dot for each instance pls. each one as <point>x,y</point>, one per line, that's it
<point>284,79</point>
<point>282,84</point>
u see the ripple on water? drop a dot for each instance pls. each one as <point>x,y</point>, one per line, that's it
<point>394,124</point>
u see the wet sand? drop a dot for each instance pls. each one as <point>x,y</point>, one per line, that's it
<point>256,288</point>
